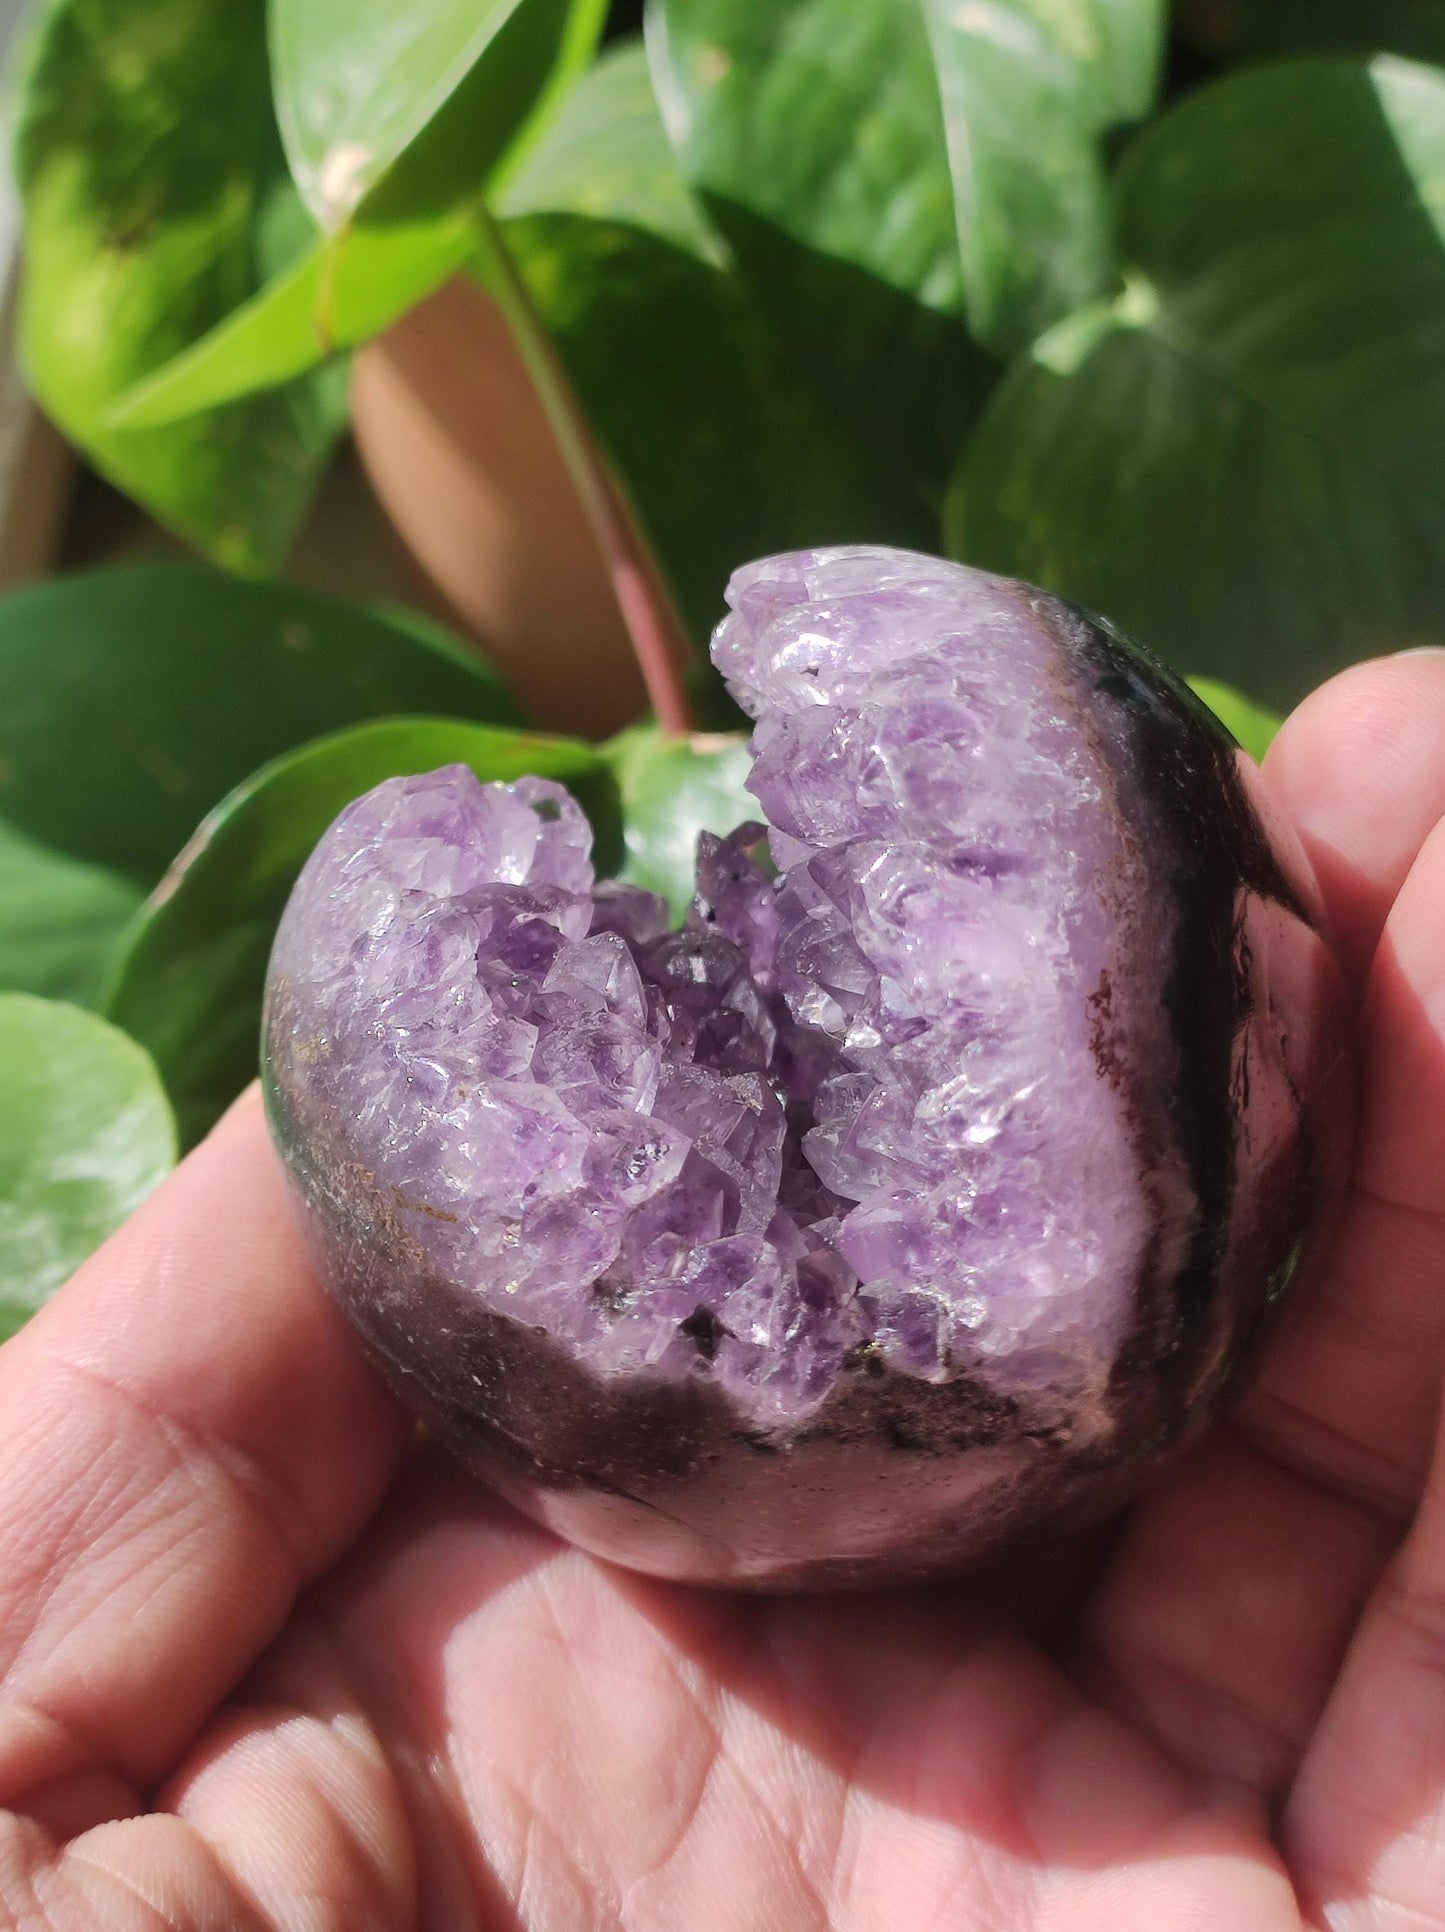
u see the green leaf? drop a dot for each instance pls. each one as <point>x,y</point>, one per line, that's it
<point>340,294</point>
<point>1250,723</point>
<point>724,452</point>
<point>411,232</point>
<point>152,178</point>
<point>884,167</point>
<point>1239,459</point>
<point>605,155</point>
<point>672,789</point>
<point>190,984</point>
<point>135,698</point>
<point>1029,89</point>
<point>356,81</point>
<point>85,1134</point>
<point>847,246</point>
<point>60,920</point>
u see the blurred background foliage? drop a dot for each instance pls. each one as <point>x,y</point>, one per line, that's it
<point>1072,288</point>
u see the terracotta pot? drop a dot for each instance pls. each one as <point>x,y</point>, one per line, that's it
<point>459,449</point>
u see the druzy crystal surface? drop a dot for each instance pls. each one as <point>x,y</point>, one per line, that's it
<point>898,1106</point>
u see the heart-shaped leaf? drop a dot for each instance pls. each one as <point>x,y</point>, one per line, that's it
<point>190,984</point>
<point>85,1134</point>
<point>156,200</point>
<point>1239,459</point>
<point>412,231</point>
<point>164,685</point>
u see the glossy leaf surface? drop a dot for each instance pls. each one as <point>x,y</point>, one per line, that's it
<point>156,202</point>
<point>1239,459</point>
<point>672,789</point>
<point>85,1134</point>
<point>409,233</point>
<point>132,699</point>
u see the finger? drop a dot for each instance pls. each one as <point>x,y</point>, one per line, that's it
<point>146,1875</point>
<point>1365,1829</point>
<point>189,1432</point>
<point>1349,1387</point>
<point>1360,769</point>
<point>285,1818</point>
<point>1222,1620</point>
<point>300,1804</point>
<point>1219,1625</point>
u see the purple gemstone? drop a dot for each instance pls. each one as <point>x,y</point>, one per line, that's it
<point>932,1171</point>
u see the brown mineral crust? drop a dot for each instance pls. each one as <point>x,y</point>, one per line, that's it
<point>1223,857</point>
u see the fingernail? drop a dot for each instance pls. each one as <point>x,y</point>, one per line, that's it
<point>1423,650</point>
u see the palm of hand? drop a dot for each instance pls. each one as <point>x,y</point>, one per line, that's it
<point>1228,1713</point>
<point>552,1744</point>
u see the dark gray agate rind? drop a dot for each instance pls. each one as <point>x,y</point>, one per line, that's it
<point>893,1476</point>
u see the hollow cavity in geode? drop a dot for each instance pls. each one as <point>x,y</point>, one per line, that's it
<point>889,1088</point>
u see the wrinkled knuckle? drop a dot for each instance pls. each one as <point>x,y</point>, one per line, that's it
<point>29,1901</point>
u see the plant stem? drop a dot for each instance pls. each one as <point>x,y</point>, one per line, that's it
<point>659,640</point>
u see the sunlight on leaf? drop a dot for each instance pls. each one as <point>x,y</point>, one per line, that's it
<point>85,1134</point>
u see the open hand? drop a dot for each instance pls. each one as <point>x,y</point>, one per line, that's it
<point>265,1667</point>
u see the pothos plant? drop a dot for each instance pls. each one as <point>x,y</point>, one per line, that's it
<point>1147,309</point>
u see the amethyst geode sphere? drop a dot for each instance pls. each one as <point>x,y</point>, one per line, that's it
<point>922,1190</point>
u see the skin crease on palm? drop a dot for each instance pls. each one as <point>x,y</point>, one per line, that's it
<point>264,1667</point>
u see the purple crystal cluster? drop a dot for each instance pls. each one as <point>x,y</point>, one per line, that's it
<point>854,1100</point>
<point>901,1099</point>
